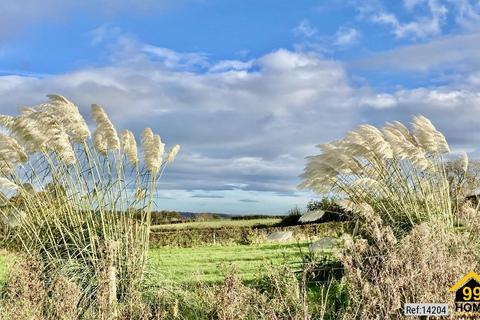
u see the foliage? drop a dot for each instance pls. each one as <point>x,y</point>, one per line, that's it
<point>164,216</point>
<point>333,211</point>
<point>196,236</point>
<point>206,216</point>
<point>292,217</point>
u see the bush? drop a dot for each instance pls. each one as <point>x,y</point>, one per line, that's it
<point>206,216</point>
<point>291,219</point>
<point>333,211</point>
<point>165,217</point>
<point>185,237</point>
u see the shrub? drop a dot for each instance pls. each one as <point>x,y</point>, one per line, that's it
<point>206,216</point>
<point>332,210</point>
<point>291,218</point>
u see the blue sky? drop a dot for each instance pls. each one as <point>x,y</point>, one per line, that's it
<point>248,88</point>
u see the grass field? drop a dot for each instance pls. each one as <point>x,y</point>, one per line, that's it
<point>218,223</point>
<point>210,263</point>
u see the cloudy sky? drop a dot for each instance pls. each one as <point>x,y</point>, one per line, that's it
<point>248,88</point>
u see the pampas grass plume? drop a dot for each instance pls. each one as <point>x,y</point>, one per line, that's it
<point>129,146</point>
<point>7,184</point>
<point>105,135</point>
<point>173,153</point>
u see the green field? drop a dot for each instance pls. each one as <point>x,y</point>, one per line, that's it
<point>210,263</point>
<point>220,223</point>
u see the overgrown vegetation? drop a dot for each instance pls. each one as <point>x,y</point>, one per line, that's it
<point>71,200</point>
<point>407,245</point>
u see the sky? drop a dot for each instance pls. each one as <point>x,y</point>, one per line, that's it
<point>248,88</point>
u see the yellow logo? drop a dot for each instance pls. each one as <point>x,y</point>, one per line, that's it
<point>467,294</point>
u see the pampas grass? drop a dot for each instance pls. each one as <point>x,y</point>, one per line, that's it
<point>399,173</point>
<point>71,200</point>
<point>153,149</point>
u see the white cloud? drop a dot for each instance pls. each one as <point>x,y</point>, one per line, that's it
<point>346,36</point>
<point>459,52</point>
<point>245,129</point>
<point>173,59</point>
<point>103,33</point>
<point>226,65</point>
<point>305,29</point>
<point>467,14</point>
<point>419,27</point>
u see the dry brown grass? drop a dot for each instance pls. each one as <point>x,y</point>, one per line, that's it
<point>384,273</point>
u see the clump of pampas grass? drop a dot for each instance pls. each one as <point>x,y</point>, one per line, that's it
<point>399,173</point>
<point>67,197</point>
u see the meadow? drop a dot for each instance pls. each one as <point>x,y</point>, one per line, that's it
<point>210,263</point>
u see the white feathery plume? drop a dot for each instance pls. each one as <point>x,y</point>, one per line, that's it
<point>428,137</point>
<point>40,131</point>
<point>11,154</point>
<point>129,146</point>
<point>464,161</point>
<point>367,182</point>
<point>68,116</point>
<point>147,138</point>
<point>375,141</point>
<point>7,184</point>
<point>6,121</point>
<point>29,129</point>
<point>158,149</point>
<point>404,145</point>
<point>332,151</point>
<point>37,128</point>
<point>60,143</point>
<point>403,130</point>
<point>153,150</point>
<point>100,143</point>
<point>173,153</point>
<point>105,136</point>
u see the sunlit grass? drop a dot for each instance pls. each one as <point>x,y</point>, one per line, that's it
<point>208,264</point>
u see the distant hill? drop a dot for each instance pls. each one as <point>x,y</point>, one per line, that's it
<point>193,215</point>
